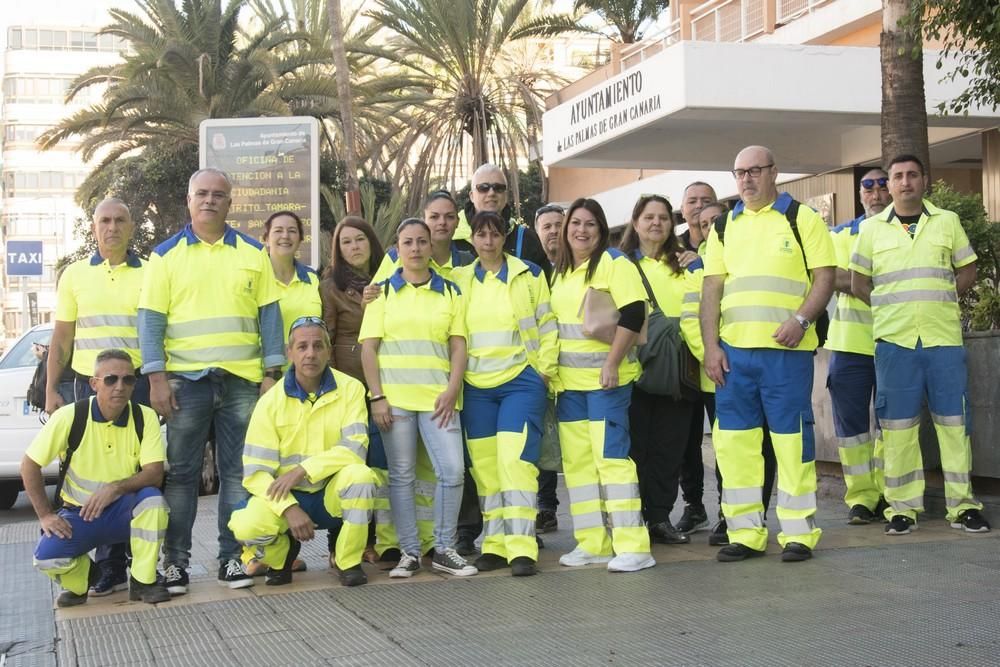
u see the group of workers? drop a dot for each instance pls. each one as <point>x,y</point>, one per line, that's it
<point>401,401</point>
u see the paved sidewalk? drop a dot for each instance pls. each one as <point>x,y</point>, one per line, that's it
<point>929,598</point>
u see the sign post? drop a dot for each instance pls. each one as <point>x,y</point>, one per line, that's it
<point>24,258</point>
<point>274,166</point>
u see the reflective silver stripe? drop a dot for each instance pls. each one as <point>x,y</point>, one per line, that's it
<point>71,493</point>
<point>858,469</point>
<point>861,261</point>
<point>355,447</point>
<point>526,322</point>
<point>215,354</point>
<point>958,501</point>
<point>312,487</point>
<point>909,504</point>
<point>493,365</point>
<point>250,468</point>
<point>792,527</point>
<point>357,428</point>
<point>625,519</point>
<point>548,327</point>
<point>587,520</point>
<point>259,452</point>
<point>745,521</point>
<point>493,527</point>
<point>689,316</point>
<point>853,315</point>
<point>519,527</point>
<point>582,359</point>
<point>585,493</point>
<point>909,296</point>
<point>542,310</point>
<point>355,491</point>
<point>531,345</point>
<point>765,284</point>
<point>691,297</point>
<point>627,491</point>
<point>899,424</point>
<point>913,274</point>
<point>424,376</point>
<point>257,541</point>
<point>147,535</point>
<point>495,339</point>
<point>425,489</point>
<point>150,503</point>
<point>82,482</point>
<point>491,503</point>
<point>424,513</point>
<point>903,480</point>
<point>806,501</point>
<point>957,477</point>
<point>420,348</point>
<point>212,325</point>
<point>293,459</point>
<point>756,314</point>
<point>962,253</point>
<point>854,440</point>
<point>107,321</point>
<point>571,331</point>
<point>948,420</point>
<point>382,491</point>
<point>518,498</point>
<point>743,496</point>
<point>52,563</point>
<point>106,343</point>
<point>383,517</point>
<point>356,516</point>
<point>878,463</point>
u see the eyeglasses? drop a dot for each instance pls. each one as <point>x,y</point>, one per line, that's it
<point>869,183</point>
<point>754,172</point>
<point>549,208</point>
<point>307,320</point>
<point>498,188</point>
<point>112,380</point>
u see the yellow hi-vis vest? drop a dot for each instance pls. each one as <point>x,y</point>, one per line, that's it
<point>690,322</point>
<point>851,324</point>
<point>299,298</point>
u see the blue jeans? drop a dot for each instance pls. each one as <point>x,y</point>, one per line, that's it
<point>225,401</point>
<point>444,447</point>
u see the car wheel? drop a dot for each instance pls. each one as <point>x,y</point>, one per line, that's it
<point>8,494</point>
<point>209,477</point>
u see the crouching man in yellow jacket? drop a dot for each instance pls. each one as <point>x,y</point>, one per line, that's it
<point>304,463</point>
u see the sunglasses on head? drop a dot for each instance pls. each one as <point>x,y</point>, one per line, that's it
<point>549,208</point>
<point>305,320</point>
<point>498,188</point>
<point>869,183</point>
<point>112,380</point>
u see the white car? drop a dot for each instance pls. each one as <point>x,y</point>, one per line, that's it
<point>19,422</point>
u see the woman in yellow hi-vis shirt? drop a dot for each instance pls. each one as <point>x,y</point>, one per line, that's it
<point>513,355</point>
<point>597,381</point>
<point>413,351</point>
<point>297,283</point>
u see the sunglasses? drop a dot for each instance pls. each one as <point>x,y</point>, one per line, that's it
<point>869,183</point>
<point>112,380</point>
<point>307,320</point>
<point>549,208</point>
<point>498,188</point>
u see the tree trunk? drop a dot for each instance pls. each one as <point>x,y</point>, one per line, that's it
<point>352,194</point>
<point>904,109</point>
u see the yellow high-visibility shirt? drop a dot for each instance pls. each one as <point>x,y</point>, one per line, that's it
<point>211,294</point>
<point>390,263</point>
<point>690,322</point>
<point>913,295</point>
<point>765,279</point>
<point>668,287</point>
<point>322,432</point>
<point>580,357</point>
<point>299,298</point>
<point>109,450</point>
<point>851,324</point>
<point>103,302</point>
<point>414,324</point>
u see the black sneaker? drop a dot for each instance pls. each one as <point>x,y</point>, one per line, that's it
<point>795,552</point>
<point>283,576</point>
<point>489,562</point>
<point>112,579</point>
<point>736,552</point>
<point>153,593</point>
<point>175,579</point>
<point>232,574</point>
<point>972,521</point>
<point>465,545</point>
<point>450,561</point>
<point>664,533</point>
<point>880,509</point>
<point>694,519</point>
<point>390,555</point>
<point>546,521</point>
<point>860,516</point>
<point>522,566</point>
<point>900,525</point>
<point>352,576</point>
<point>719,537</point>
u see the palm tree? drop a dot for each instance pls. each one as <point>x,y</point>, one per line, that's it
<point>904,109</point>
<point>353,197</point>
<point>628,19</point>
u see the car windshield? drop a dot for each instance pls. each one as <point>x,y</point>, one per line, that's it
<point>22,354</point>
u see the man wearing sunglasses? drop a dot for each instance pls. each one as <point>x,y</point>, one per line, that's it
<point>109,486</point>
<point>304,463</point>
<point>851,378</point>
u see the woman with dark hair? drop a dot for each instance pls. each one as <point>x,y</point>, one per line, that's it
<point>298,283</point>
<point>658,424</point>
<point>413,350</point>
<point>596,377</point>
<point>513,355</point>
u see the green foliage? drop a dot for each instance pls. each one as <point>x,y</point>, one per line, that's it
<point>969,32</point>
<point>981,304</point>
<point>383,209</point>
<point>627,19</point>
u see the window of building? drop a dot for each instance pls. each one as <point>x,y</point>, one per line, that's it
<point>14,38</point>
<point>56,39</point>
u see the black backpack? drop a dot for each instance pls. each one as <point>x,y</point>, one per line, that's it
<point>81,409</point>
<point>36,390</point>
<point>791,214</point>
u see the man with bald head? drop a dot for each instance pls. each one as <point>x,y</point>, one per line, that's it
<point>851,378</point>
<point>96,305</point>
<point>769,270</point>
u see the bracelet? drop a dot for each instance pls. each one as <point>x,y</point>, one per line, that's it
<point>374,399</point>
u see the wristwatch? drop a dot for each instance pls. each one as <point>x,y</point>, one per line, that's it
<point>803,322</point>
<point>274,375</point>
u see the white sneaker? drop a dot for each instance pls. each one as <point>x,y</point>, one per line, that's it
<point>631,562</point>
<point>578,557</point>
<point>407,566</point>
<point>449,560</point>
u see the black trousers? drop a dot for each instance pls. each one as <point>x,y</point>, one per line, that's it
<point>658,426</point>
<point>770,463</point>
<point>693,467</point>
